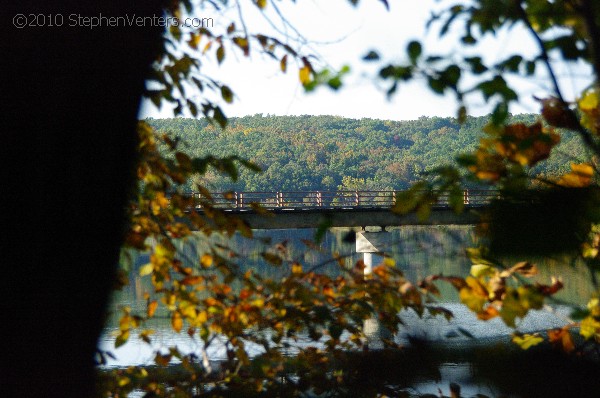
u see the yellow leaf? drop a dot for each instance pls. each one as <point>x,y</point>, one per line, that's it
<point>305,75</point>
<point>527,340</point>
<point>390,262</point>
<point>258,303</point>
<point>582,169</point>
<point>283,63</point>
<point>122,338</point>
<point>589,251</point>
<point>190,312</point>
<point>194,41</point>
<point>479,270</point>
<point>146,269</point>
<point>579,177</point>
<point>206,260</point>
<point>589,101</point>
<point>589,328</point>
<point>123,381</point>
<point>472,300</point>
<point>261,4</point>
<point>202,317</point>
<point>476,286</point>
<point>296,268</point>
<point>163,252</point>
<point>176,322</point>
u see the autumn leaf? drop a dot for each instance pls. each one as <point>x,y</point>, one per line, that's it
<point>122,338</point>
<point>589,101</point>
<point>579,177</point>
<point>480,270</point>
<point>590,328</point>
<point>192,280</point>
<point>162,360</point>
<point>304,75</point>
<point>206,260</point>
<point>512,308</point>
<point>176,322</point>
<point>525,341</point>
<point>296,268</point>
<point>488,313</point>
<point>146,269</point>
<point>561,338</point>
<point>152,306</point>
<point>524,268</point>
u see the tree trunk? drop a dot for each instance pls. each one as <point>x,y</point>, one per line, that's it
<point>69,104</point>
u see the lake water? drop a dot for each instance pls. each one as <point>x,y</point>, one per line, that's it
<point>418,252</point>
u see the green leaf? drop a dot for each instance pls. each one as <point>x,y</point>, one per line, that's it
<point>451,75</point>
<point>477,67</point>
<point>322,230</point>
<point>227,94</point>
<point>456,199</point>
<point>512,308</point>
<point>371,56</point>
<point>414,50</point>
<point>423,211</point>
<point>249,165</point>
<point>436,84</point>
<point>220,117</point>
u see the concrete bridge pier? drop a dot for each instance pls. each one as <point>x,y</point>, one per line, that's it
<point>370,244</point>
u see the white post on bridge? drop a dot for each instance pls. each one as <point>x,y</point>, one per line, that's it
<point>370,244</point>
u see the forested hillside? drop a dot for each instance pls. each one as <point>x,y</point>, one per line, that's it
<point>329,152</point>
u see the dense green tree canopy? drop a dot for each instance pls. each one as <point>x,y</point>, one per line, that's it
<point>327,152</point>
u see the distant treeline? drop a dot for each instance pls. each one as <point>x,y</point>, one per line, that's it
<point>331,153</point>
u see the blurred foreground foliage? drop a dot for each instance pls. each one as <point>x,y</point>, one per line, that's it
<point>328,312</point>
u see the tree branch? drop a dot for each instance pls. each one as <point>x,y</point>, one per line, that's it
<point>585,134</point>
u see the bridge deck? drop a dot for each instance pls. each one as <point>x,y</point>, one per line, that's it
<point>338,209</point>
<point>293,218</point>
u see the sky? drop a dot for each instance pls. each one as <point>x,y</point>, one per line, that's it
<point>341,35</point>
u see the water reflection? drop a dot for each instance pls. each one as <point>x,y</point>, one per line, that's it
<point>418,252</point>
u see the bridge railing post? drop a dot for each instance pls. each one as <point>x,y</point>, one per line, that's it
<point>319,199</point>
<point>279,199</point>
<point>466,196</point>
<point>357,198</point>
<point>241,199</point>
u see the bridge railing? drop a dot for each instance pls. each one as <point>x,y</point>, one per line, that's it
<point>331,199</point>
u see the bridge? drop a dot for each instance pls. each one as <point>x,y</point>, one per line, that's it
<point>310,209</point>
